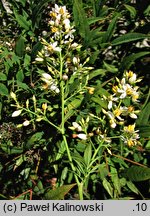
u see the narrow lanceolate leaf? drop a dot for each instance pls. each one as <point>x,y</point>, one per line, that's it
<point>144,116</point>
<point>132,187</point>
<point>22,20</point>
<point>108,187</point>
<point>129,37</point>
<point>137,173</point>
<point>81,19</point>
<point>129,60</point>
<point>131,9</point>
<point>144,131</point>
<point>111,29</point>
<point>115,180</point>
<point>98,72</point>
<point>88,154</point>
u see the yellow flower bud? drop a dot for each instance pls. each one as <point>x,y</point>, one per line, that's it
<point>44,106</point>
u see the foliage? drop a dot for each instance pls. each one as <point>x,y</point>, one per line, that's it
<point>74,99</point>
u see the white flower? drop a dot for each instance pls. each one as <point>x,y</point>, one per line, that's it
<point>46,76</point>
<point>16,113</point>
<point>26,123</point>
<point>39,59</point>
<point>112,123</point>
<point>132,79</point>
<point>77,126</point>
<point>133,115</point>
<point>54,87</point>
<point>82,136</point>
<point>53,47</point>
<point>66,22</point>
<point>51,22</point>
<point>75,45</point>
<point>135,96</point>
<point>112,120</point>
<point>111,99</point>
<point>125,90</point>
<point>44,33</point>
<point>75,60</point>
<point>110,103</point>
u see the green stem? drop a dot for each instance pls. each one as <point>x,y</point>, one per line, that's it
<point>80,185</point>
<point>44,118</point>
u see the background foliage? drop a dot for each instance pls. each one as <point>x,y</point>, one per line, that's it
<point>34,162</point>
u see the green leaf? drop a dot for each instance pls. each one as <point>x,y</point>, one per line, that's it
<point>137,173</point>
<point>110,68</point>
<point>37,11</point>
<point>20,46</point>
<point>93,20</point>
<point>88,154</point>
<point>40,185</point>
<point>27,60</point>
<point>111,28</point>
<point>20,160</point>
<point>129,60</point>
<point>25,173</point>
<point>80,19</point>
<point>1,105</point>
<point>34,139</point>
<point>72,106</point>
<point>58,193</point>
<point>132,187</point>
<point>96,73</point>
<point>81,166</point>
<point>2,197</point>
<point>11,149</point>
<point>147,147</point>
<point>20,76</point>
<point>23,2</point>
<point>144,131</point>
<point>62,149</point>
<point>115,180</point>
<point>144,116</point>
<point>147,11</point>
<point>22,21</point>
<point>131,9</point>
<point>99,101</point>
<point>108,187</point>
<point>129,37</point>
<point>22,85</point>
<point>103,171</point>
<point>64,174</point>
<point>96,39</point>
<point>3,77</point>
<point>3,90</point>
<point>37,47</point>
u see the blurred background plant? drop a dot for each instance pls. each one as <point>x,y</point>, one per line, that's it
<point>74,124</point>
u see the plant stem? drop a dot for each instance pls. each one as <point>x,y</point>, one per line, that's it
<point>80,185</point>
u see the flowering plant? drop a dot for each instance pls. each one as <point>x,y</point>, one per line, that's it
<point>77,125</point>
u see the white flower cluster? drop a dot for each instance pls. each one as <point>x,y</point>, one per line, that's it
<point>61,33</point>
<point>118,112</point>
<point>60,24</point>
<point>130,135</point>
<point>60,44</point>
<point>126,88</point>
